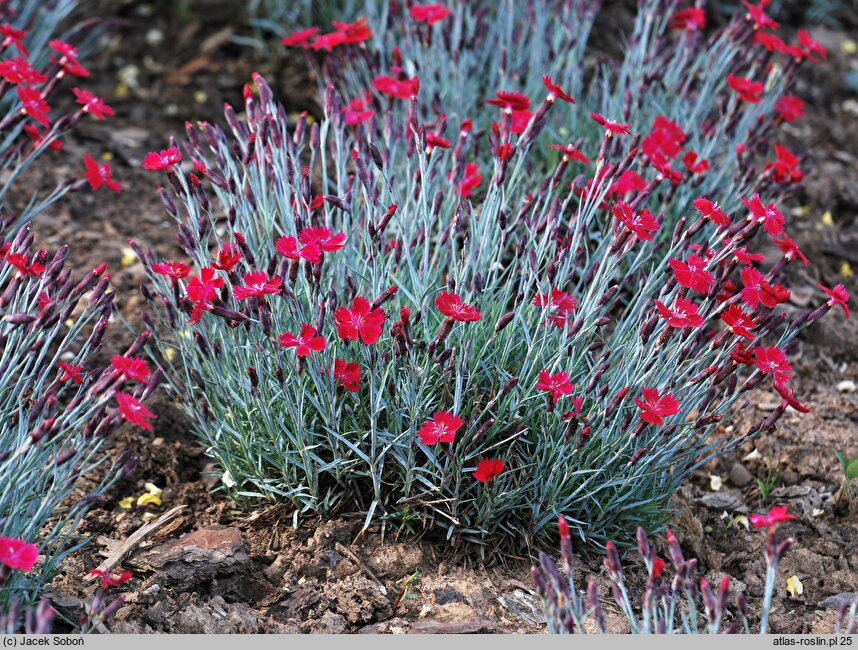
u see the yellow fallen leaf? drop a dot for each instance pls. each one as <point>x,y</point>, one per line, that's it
<point>170,353</point>
<point>817,512</point>
<point>107,156</point>
<point>129,257</point>
<point>848,47</point>
<point>149,516</point>
<point>794,587</point>
<point>121,90</point>
<point>146,499</point>
<point>827,219</point>
<point>846,269</point>
<point>127,503</point>
<point>715,482</point>
<point>153,489</point>
<point>742,520</point>
<point>804,210</point>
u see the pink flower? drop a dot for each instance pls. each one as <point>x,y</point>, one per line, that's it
<point>560,304</point>
<point>258,285</point>
<point>399,89</point>
<point>204,288</point>
<point>451,305</point>
<point>305,343</point>
<point>131,368</point>
<point>472,180</point>
<point>790,108</point>
<point>17,70</point>
<point>70,372</point>
<point>287,246</point>
<point>711,211</point>
<point>790,249</point>
<point>111,578</point>
<point>38,137</point>
<point>776,515</point>
<point>132,410</point>
<point>441,428</point>
<point>556,385</point>
<point>655,407</point>
<point>164,159</point>
<point>488,469</point>
<point>690,19</point>
<point>510,100</point>
<point>301,37</point>
<point>642,224</point>
<point>92,104</point>
<point>13,36</point>
<point>555,91</point>
<point>747,89</point>
<point>571,153</point>
<point>739,322</point>
<point>98,175</point>
<point>768,215</point>
<point>361,321</point>
<point>18,554</point>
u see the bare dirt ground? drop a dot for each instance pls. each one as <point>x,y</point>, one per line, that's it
<point>240,571</point>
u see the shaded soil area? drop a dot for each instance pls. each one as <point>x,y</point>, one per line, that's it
<point>215,568</point>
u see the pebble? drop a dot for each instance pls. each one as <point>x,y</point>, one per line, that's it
<point>740,476</point>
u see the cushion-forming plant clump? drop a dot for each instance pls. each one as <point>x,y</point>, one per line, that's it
<point>678,605</point>
<point>55,409</point>
<point>35,67</point>
<point>432,342</point>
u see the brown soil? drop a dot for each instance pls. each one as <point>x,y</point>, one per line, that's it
<point>256,573</point>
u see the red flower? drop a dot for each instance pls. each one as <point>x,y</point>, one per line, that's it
<point>739,322</point>
<point>173,270</point>
<point>34,105</point>
<point>772,361</point>
<point>322,239</point>
<point>204,288</point>
<point>757,14</point>
<point>305,343</point>
<point>747,89</point>
<point>92,104</point>
<point>655,407</point>
<point>399,89</point>
<point>628,182</point>
<point>790,399</point>
<point>742,356</point>
<point>837,296</point>
<point>555,91</point>
<point>70,372</point>
<point>488,469</point>
<point>133,411</point>
<point>510,101</point>
<point>258,285</point>
<point>665,138</point>
<point>742,255</point>
<point>694,165</point>
<point>520,120</point>
<point>785,169</point>
<point>164,159</point>
<point>472,180</point>
<point>571,153</point>
<point>287,246</point>
<point>13,36</point>
<point>776,515</point>
<point>711,211</point>
<point>37,137</point>
<point>17,70</point>
<point>690,19</point>
<point>692,273</point>
<point>441,428</point>
<point>557,385</point>
<point>347,375</point>
<point>505,151</point>
<point>657,563</point>
<point>757,290</point>
<point>811,46</point>
<point>451,305</point>
<point>132,368</point>
<point>63,49</point>
<point>301,37</point>
<point>18,554</point>
<point>791,250</point>
<point>20,262</point>
<point>358,110</point>
<point>642,224</point>
<point>430,14</point>
<point>353,33</point>
<point>98,175</point>
<point>768,215</point>
<point>790,108</point>
<point>227,257</point>
<point>611,127</point>
<point>434,140</point>
<point>560,304</point>
<point>359,322</point>
<point>682,314</point>
<point>111,578</point>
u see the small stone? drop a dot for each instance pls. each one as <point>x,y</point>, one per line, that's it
<point>846,386</point>
<point>446,595</point>
<point>475,626</point>
<point>739,475</point>
<point>330,623</point>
